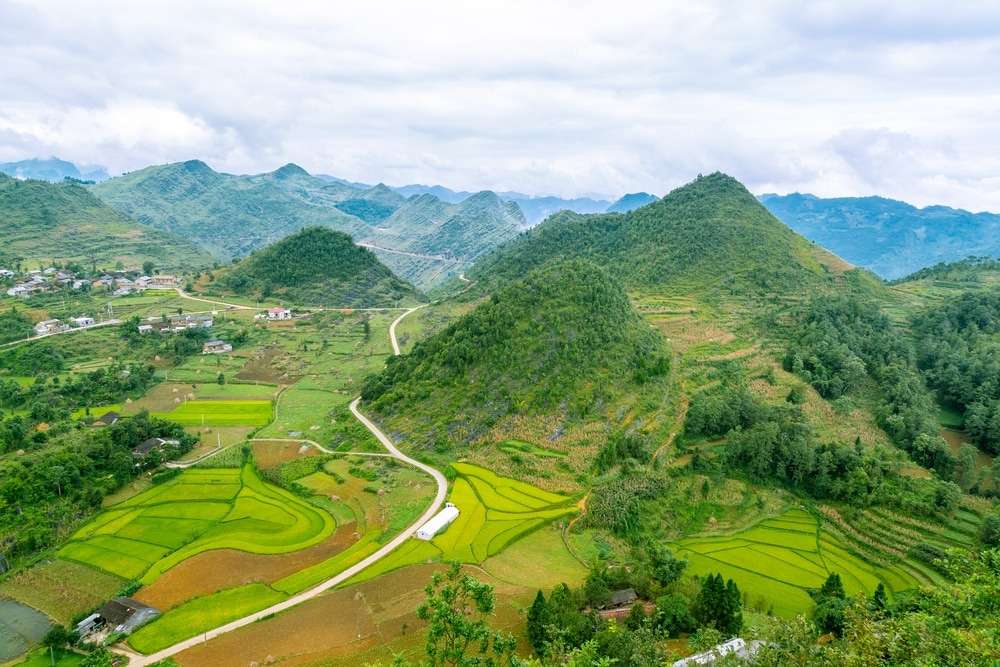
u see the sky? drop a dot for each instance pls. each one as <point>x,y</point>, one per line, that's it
<point>899,99</point>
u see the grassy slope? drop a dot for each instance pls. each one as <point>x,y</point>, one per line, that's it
<point>319,267</point>
<point>44,221</point>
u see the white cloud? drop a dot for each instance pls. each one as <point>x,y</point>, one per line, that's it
<point>557,97</point>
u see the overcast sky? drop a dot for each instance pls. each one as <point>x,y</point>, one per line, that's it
<point>542,97</point>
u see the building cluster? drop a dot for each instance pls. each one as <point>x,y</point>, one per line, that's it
<point>176,323</point>
<point>274,314</point>
<point>117,283</point>
<point>46,327</point>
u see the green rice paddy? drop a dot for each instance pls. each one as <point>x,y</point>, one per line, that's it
<point>200,510</point>
<point>777,562</point>
<point>220,413</point>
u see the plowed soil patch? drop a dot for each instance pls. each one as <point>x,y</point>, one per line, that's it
<point>268,455</point>
<point>212,571</point>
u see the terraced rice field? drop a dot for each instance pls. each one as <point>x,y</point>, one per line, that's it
<point>494,512</point>
<point>520,446</point>
<point>777,562</point>
<point>202,509</point>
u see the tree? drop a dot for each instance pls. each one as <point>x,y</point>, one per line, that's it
<point>666,568</point>
<point>538,618</point>
<point>99,658</point>
<point>458,635</point>
<point>989,534</point>
<point>221,379</point>
<point>880,600</point>
<point>831,602</point>
<point>147,267</point>
<point>719,605</point>
<point>672,615</point>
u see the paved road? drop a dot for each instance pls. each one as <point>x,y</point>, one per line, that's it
<point>436,258</point>
<point>105,323</point>
<point>442,491</point>
<point>392,329</point>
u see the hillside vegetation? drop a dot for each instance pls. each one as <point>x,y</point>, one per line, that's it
<point>710,235</point>
<point>892,238</point>
<point>234,215</point>
<point>318,267</point>
<point>562,339</point>
<point>41,222</point>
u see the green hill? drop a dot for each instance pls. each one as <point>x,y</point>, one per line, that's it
<point>318,267</point>
<point>41,222</point>
<point>230,215</point>
<point>422,239</point>
<point>710,235</point>
<point>562,340</point>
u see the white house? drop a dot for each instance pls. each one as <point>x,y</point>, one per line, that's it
<point>145,328</point>
<point>438,522</point>
<point>737,646</point>
<point>216,347</point>
<point>6,273</point>
<point>83,321</point>
<point>279,314</point>
<point>47,326</point>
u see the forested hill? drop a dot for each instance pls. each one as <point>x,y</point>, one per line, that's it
<point>892,238</point>
<point>318,266</point>
<point>564,339</point>
<point>632,201</point>
<point>229,215</point>
<point>41,222</point>
<point>709,235</point>
<point>235,215</point>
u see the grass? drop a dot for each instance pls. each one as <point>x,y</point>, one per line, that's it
<point>776,562</point>
<point>201,509</point>
<point>203,614</point>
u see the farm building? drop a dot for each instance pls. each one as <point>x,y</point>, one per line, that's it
<point>146,446</point>
<point>216,347</point>
<point>49,326</point>
<point>125,614</point>
<point>438,522</point>
<point>738,647</point>
<point>107,419</point>
<point>82,321</point>
<point>279,314</point>
<point>163,281</point>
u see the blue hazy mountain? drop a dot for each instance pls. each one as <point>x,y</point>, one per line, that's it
<point>632,201</point>
<point>53,170</point>
<point>892,238</point>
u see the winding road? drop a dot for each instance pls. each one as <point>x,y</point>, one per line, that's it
<point>137,660</point>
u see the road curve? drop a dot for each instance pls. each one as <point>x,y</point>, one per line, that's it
<point>392,332</point>
<point>439,497</point>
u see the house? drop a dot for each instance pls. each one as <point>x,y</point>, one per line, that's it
<point>181,322</point>
<point>89,625</point>
<point>147,446</point>
<point>145,328</point>
<point>80,283</point>
<point>738,647</point>
<point>216,347</point>
<point>163,281</point>
<point>279,314</point>
<point>122,291</point>
<point>49,326</point>
<point>82,321</point>
<point>620,605</point>
<point>438,522</point>
<point>125,615</point>
<point>6,273</point>
<point>107,419</point>
<point>23,291</point>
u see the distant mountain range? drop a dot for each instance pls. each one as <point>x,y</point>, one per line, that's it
<point>892,238</point>
<point>53,170</point>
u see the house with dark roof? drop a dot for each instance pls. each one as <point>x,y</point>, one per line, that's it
<point>107,419</point>
<point>147,446</point>
<point>126,614</point>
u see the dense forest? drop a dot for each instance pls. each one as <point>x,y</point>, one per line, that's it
<point>958,344</point>
<point>319,267</point>
<point>565,334</point>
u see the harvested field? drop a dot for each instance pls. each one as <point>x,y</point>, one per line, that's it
<point>62,589</point>
<point>271,454</point>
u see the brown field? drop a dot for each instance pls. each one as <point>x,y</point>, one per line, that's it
<point>272,365</point>
<point>226,568</point>
<point>269,454</point>
<point>352,626</point>
<point>62,589</point>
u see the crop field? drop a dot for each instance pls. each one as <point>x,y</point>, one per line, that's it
<point>200,510</point>
<point>494,512</point>
<point>777,562</point>
<point>220,413</point>
<point>20,628</point>
<point>304,411</point>
<point>61,589</point>
<point>512,446</point>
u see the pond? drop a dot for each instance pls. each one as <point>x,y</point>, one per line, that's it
<point>21,627</point>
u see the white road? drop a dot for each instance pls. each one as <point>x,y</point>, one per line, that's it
<point>392,329</point>
<point>439,497</point>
